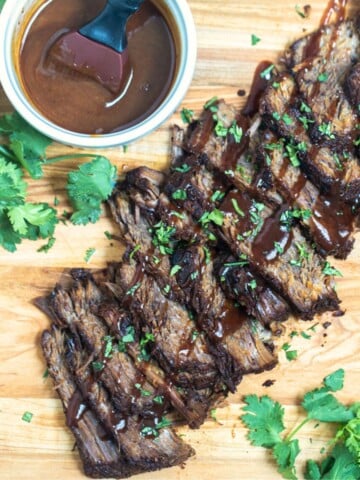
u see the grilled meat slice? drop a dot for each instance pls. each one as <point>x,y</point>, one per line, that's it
<point>149,243</point>
<point>182,354</point>
<point>333,170</point>
<point>116,318</point>
<point>114,368</point>
<point>277,252</point>
<point>250,290</point>
<point>145,439</point>
<point>99,453</point>
<point>328,221</point>
<point>234,338</point>
<point>175,346</point>
<point>341,38</point>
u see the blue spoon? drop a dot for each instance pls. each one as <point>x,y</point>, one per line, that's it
<point>99,48</point>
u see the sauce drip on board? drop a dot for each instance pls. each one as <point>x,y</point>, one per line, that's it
<point>79,103</point>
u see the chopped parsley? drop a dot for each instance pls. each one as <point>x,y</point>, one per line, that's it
<point>187,115</point>
<point>90,252</point>
<point>266,74</point>
<point>108,348</point>
<point>97,366</point>
<point>323,77</point>
<point>278,247</point>
<point>326,130</point>
<point>174,270</point>
<point>236,132</point>
<point>300,11</point>
<point>162,234</point>
<point>255,39</point>
<point>133,251</point>
<point>237,208</point>
<point>210,103</point>
<point>217,196</point>
<point>27,417</point>
<point>144,393</point>
<point>159,399</point>
<point>179,194</point>
<point>133,289</point>
<point>128,337</point>
<point>329,270</point>
<point>207,255</point>
<point>184,168</point>
<point>215,216</point>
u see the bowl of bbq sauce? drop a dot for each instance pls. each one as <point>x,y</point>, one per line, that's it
<point>77,110</point>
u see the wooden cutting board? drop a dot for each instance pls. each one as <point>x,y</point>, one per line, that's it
<point>44,448</point>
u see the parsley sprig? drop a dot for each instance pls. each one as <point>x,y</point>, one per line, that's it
<point>264,418</point>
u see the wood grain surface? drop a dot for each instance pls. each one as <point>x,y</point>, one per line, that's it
<point>43,448</point>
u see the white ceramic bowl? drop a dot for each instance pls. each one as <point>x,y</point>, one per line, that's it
<point>11,19</point>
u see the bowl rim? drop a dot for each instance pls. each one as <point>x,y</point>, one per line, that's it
<point>10,18</point>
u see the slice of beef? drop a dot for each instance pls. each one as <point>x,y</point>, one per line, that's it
<point>232,158</point>
<point>99,453</point>
<point>235,339</point>
<point>182,353</point>
<point>327,221</point>
<point>332,169</point>
<point>114,368</point>
<point>116,318</point>
<point>145,439</point>
<point>144,186</point>
<point>177,349</point>
<point>277,252</point>
<point>341,38</point>
<point>149,243</point>
<point>250,290</point>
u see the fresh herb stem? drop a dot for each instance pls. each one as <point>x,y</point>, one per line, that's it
<point>59,158</point>
<point>291,435</point>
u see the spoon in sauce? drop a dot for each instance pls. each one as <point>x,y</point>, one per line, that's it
<point>99,48</point>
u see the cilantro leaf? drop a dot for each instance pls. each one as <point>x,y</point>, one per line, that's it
<point>12,186</point>
<point>322,405</point>
<point>349,434</point>
<point>88,186</point>
<point>335,381</point>
<point>264,420</point>
<point>340,464</point>
<point>33,220</point>
<point>27,144</point>
<point>8,237</point>
<point>285,454</point>
<point>2,3</point>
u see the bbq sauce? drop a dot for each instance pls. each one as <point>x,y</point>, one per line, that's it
<point>258,87</point>
<point>79,103</point>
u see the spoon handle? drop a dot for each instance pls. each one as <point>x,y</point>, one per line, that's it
<point>109,27</point>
